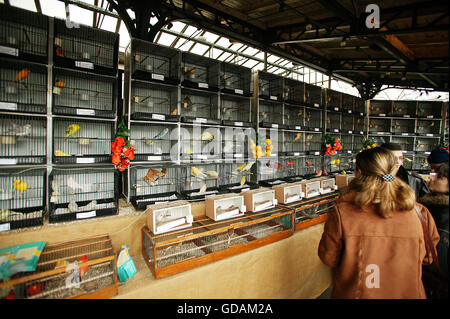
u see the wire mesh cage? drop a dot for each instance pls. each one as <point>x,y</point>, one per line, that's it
<point>153,101</point>
<point>333,121</point>
<point>199,180</point>
<point>154,62</point>
<point>82,141</point>
<point>429,109</point>
<point>236,142</point>
<point>22,140</point>
<point>208,241</point>
<point>347,141</point>
<point>153,183</point>
<point>270,171</point>
<point>23,87</point>
<point>83,268</point>
<point>85,48</point>
<point>313,95</point>
<point>270,86</point>
<point>294,91</point>
<point>380,125</point>
<point>428,127</point>
<point>23,34</point>
<point>270,113</point>
<point>403,127</point>
<point>347,123</point>
<point>420,163</point>
<point>293,143</point>
<point>199,106</point>
<point>426,144</point>
<point>359,106</point>
<point>347,103</point>
<point>313,119</point>
<point>235,110</point>
<point>84,94</point>
<point>346,162</point>
<point>294,116</point>
<point>236,176</point>
<point>154,141</point>
<point>378,139</point>
<point>313,143</point>
<point>404,109</point>
<point>83,192</point>
<point>358,124</point>
<point>292,167</point>
<point>334,100</point>
<point>200,142</point>
<point>199,72</point>
<point>380,107</point>
<point>358,144</point>
<point>22,197</point>
<point>235,79</point>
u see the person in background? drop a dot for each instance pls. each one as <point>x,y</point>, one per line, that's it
<point>373,236</point>
<point>417,183</point>
<point>436,158</point>
<point>437,202</point>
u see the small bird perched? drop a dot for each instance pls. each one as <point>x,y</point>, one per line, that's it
<point>20,130</point>
<point>73,185</point>
<point>22,75</point>
<point>20,185</point>
<point>71,130</point>
<point>207,136</point>
<point>197,173</point>
<point>203,189</point>
<point>212,174</point>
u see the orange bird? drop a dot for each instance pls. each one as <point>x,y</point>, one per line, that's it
<point>22,75</point>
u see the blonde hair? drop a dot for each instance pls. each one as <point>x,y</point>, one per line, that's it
<point>371,188</point>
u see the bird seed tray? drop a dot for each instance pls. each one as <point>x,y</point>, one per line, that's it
<point>83,269</point>
<point>208,241</point>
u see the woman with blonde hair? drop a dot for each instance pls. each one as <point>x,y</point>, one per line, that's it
<point>373,237</point>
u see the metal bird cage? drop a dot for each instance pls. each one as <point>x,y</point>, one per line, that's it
<point>313,119</point>
<point>346,162</point>
<point>293,143</point>
<point>359,106</point>
<point>200,142</point>
<point>208,241</point>
<point>198,180</point>
<point>82,141</point>
<point>235,79</point>
<point>428,127</point>
<point>313,95</point>
<point>150,184</point>
<point>404,109</point>
<point>270,86</point>
<point>23,140</point>
<point>153,62</point>
<point>292,165</point>
<point>22,197</point>
<point>313,143</point>
<point>236,142</point>
<point>403,127</point>
<point>199,106</point>
<point>82,193</point>
<point>153,101</point>
<point>429,109</point>
<point>235,110</point>
<point>358,124</point>
<point>380,125</point>
<point>379,139</point>
<point>358,144</point>
<point>23,87</point>
<point>85,48</point>
<point>84,94</point>
<point>333,122</point>
<point>236,176</point>
<point>270,113</point>
<point>270,171</point>
<point>347,123</point>
<point>426,144</point>
<point>380,107</point>
<point>23,34</point>
<point>334,100</point>
<point>199,72</point>
<point>294,116</point>
<point>294,91</point>
<point>347,103</point>
<point>154,141</point>
<point>420,163</point>
<point>346,141</point>
<point>84,268</point>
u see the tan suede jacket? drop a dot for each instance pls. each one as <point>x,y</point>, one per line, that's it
<point>376,257</point>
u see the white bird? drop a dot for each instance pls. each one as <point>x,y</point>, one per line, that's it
<point>73,207</point>
<point>20,130</point>
<point>73,185</point>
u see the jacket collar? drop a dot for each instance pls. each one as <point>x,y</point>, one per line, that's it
<point>435,199</point>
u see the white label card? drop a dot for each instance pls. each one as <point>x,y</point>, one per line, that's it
<point>275,125</point>
<point>238,123</point>
<point>8,161</point>
<point>316,104</point>
<point>272,97</point>
<point>86,214</point>
<point>203,85</point>
<point>159,117</point>
<point>316,129</point>
<point>156,76</point>
<point>238,91</point>
<point>85,112</point>
<point>9,51</point>
<point>430,116</point>
<point>84,65</point>
<point>8,106</point>
<point>154,158</point>
<point>88,160</point>
<point>200,120</point>
<point>5,227</point>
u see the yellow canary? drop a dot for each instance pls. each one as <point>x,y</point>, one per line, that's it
<point>206,136</point>
<point>212,174</point>
<point>20,185</point>
<point>71,130</point>
<point>60,84</point>
<point>203,189</point>
<point>344,173</point>
<point>240,168</point>
<point>242,182</point>
<point>4,213</point>
<point>174,112</point>
<point>61,153</point>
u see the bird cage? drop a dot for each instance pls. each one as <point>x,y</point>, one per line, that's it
<point>22,140</point>
<point>208,240</point>
<point>154,141</point>
<point>310,165</point>
<point>199,72</point>
<point>408,160</point>
<point>270,171</point>
<point>23,34</point>
<point>358,124</point>
<point>429,109</point>
<point>84,192</point>
<point>403,127</point>
<point>313,95</point>
<point>166,217</point>
<point>270,86</point>
<point>407,143</point>
<point>151,184</point>
<point>313,119</point>
<point>293,167</point>
<point>153,62</point>
<point>235,110</point>
<point>85,48</point>
<point>235,79</point>
<point>428,127</point>
<point>334,100</point>
<point>333,120</point>
<point>226,206</point>
<point>23,87</point>
<point>313,143</point>
<point>77,269</point>
<point>346,162</point>
<point>347,123</point>
<point>82,141</point>
<point>404,109</point>
<point>293,143</point>
<point>270,114</point>
<point>380,108</point>
<point>294,91</point>
<point>153,101</point>
<point>426,144</point>
<point>22,197</point>
<point>236,176</point>
<point>236,142</point>
<point>420,163</point>
<point>84,94</point>
<point>359,106</point>
<point>347,103</point>
<point>288,193</point>
<point>311,187</point>
<point>380,125</point>
<point>199,106</point>
<point>198,180</point>
<point>377,139</point>
<point>200,142</point>
<point>346,140</point>
<point>294,116</point>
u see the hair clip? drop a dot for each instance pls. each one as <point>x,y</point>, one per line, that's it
<point>388,177</point>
